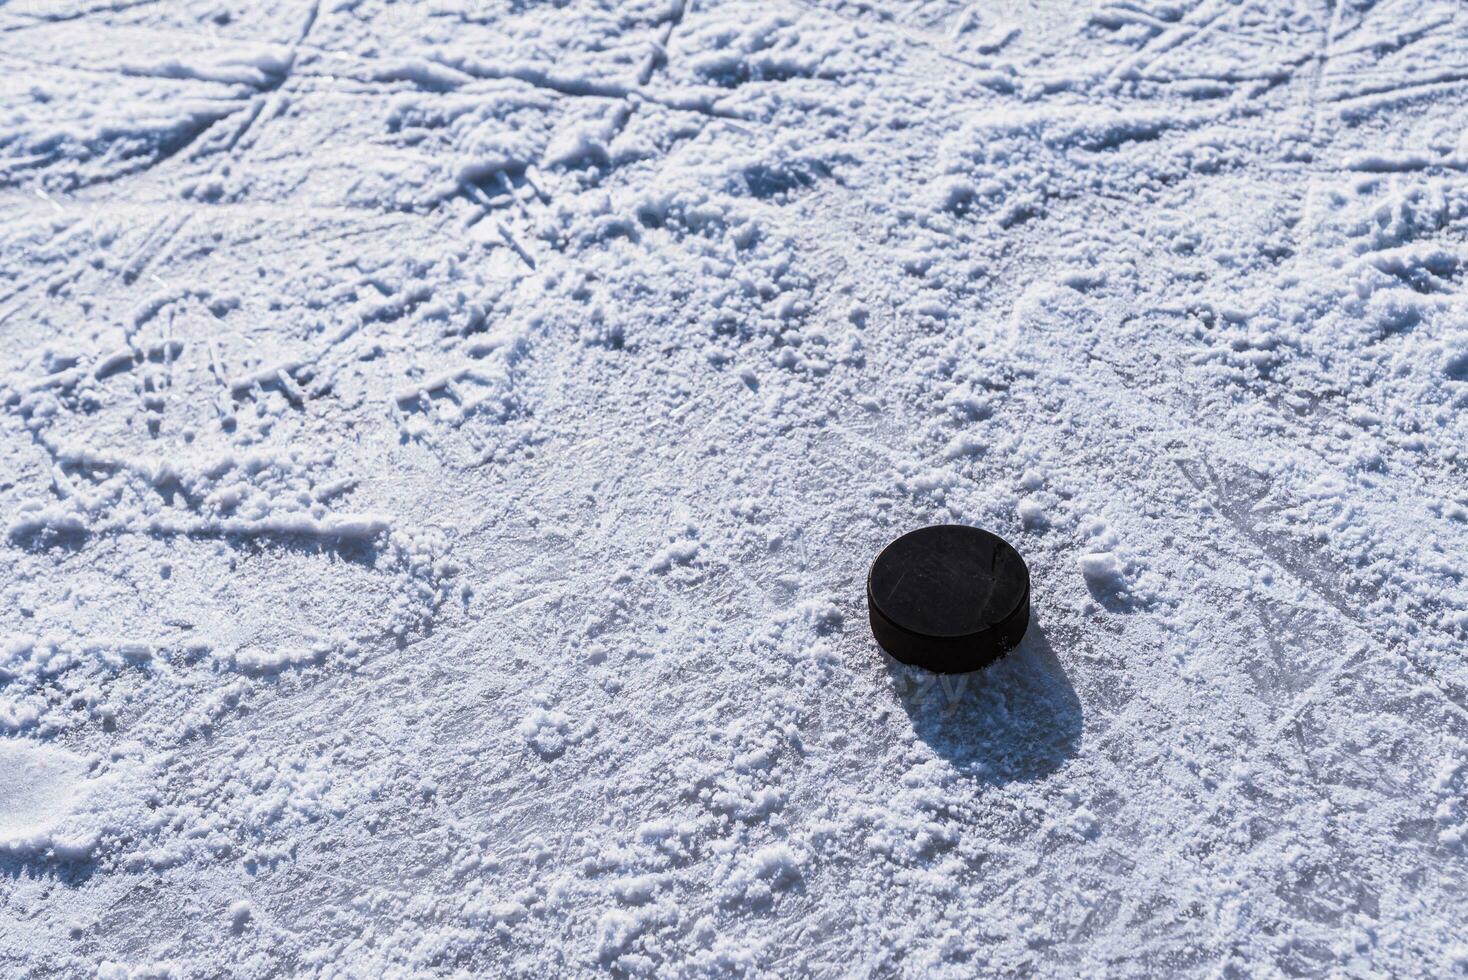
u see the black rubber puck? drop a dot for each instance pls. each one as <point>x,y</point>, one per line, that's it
<point>949,598</point>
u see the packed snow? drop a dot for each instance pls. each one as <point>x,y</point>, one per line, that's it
<point>445,443</point>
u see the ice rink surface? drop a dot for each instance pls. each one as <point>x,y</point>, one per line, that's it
<point>444,443</point>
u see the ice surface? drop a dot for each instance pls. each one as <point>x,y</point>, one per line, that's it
<point>444,444</point>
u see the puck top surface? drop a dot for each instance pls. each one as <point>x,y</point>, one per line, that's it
<point>949,580</point>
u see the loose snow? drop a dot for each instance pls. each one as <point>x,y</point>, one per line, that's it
<point>445,443</point>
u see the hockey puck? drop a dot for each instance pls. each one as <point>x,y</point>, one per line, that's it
<point>949,598</point>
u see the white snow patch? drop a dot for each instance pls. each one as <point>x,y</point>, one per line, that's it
<point>1103,571</point>
<point>52,805</point>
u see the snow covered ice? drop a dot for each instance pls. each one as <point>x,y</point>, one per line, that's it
<point>444,444</point>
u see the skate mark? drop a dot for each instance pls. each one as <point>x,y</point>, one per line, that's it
<point>43,20</point>
<point>166,149</point>
<point>926,40</point>
<point>1159,45</point>
<point>152,246</point>
<point>514,244</point>
<point>1234,504</point>
<point>1388,45</point>
<point>252,112</point>
<point>1311,571</point>
<point>265,93</point>
<point>128,358</point>
<point>1403,86</point>
<point>508,186</point>
<point>138,258</point>
<point>276,377</point>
